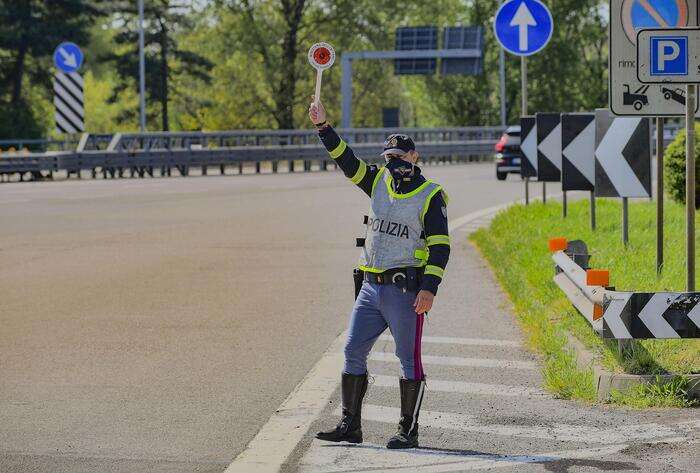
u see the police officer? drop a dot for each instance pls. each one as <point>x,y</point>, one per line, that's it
<point>402,262</point>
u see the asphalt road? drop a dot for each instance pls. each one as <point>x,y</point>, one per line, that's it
<point>155,325</point>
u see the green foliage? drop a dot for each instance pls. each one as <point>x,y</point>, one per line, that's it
<point>673,393</point>
<point>103,115</point>
<point>165,58</point>
<point>569,75</point>
<point>242,63</point>
<point>30,30</point>
<point>674,168</point>
<point>519,236</point>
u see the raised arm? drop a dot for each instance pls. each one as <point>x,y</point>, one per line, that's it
<point>355,169</point>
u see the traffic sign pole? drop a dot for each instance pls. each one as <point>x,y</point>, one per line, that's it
<point>625,221</point>
<point>523,107</point>
<point>691,91</point>
<point>502,78</point>
<point>659,194</point>
<point>523,28</point>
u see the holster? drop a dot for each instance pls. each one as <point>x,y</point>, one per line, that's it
<point>358,277</point>
<point>414,277</point>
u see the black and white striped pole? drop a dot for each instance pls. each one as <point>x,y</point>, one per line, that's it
<point>68,96</point>
<point>69,101</point>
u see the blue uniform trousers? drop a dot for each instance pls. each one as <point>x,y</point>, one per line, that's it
<point>377,307</point>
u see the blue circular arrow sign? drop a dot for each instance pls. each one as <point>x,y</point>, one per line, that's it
<point>523,27</point>
<point>68,57</point>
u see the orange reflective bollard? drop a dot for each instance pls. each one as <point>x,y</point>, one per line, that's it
<point>557,244</point>
<point>597,277</point>
<point>597,311</point>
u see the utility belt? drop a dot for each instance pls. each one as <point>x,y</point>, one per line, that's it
<point>406,279</point>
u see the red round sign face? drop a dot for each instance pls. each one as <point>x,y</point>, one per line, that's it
<point>321,55</point>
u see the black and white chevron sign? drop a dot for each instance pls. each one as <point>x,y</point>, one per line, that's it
<point>548,147</point>
<point>578,151</point>
<point>651,315</point>
<point>69,102</point>
<point>528,146</point>
<point>622,156</point>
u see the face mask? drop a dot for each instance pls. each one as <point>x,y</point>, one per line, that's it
<point>400,170</point>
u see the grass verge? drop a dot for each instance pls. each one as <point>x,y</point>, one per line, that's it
<point>516,246</point>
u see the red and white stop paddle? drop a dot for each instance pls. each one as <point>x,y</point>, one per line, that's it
<point>321,56</point>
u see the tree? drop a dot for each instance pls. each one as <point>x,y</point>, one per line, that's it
<point>164,58</point>
<point>264,73</point>
<point>30,30</point>
<point>570,74</point>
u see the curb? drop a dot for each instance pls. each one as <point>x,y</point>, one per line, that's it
<point>606,381</point>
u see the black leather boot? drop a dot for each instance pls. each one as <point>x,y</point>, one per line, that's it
<point>411,398</point>
<point>349,429</point>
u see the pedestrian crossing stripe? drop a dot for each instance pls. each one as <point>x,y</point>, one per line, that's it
<point>459,361</point>
<point>68,101</point>
<point>661,315</point>
<point>560,432</point>
<point>464,387</point>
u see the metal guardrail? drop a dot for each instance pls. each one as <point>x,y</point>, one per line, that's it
<point>621,315</point>
<point>187,140</point>
<point>184,158</point>
<point>183,150</point>
<point>178,140</point>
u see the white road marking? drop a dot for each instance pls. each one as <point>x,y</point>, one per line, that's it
<point>462,387</point>
<point>483,342</point>
<point>458,361</point>
<point>372,457</point>
<point>286,427</point>
<point>557,432</point>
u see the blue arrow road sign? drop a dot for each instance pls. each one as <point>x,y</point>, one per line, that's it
<point>523,27</point>
<point>68,57</point>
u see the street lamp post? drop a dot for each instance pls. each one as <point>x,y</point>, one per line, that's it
<point>142,73</point>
